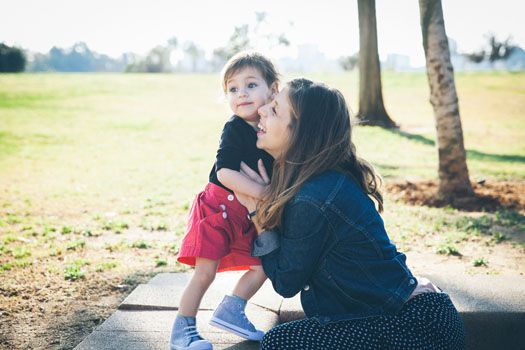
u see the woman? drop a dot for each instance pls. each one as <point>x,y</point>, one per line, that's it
<point>320,234</point>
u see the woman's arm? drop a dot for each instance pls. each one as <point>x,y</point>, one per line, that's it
<point>289,258</point>
<point>301,241</point>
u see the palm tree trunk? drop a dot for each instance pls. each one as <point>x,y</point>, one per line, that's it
<point>453,172</point>
<point>371,108</point>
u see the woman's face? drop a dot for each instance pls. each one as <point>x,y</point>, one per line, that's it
<point>274,130</point>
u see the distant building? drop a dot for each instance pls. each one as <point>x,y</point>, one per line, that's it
<point>516,60</point>
<point>309,59</point>
<point>396,62</point>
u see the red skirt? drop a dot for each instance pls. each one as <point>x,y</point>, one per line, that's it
<point>219,229</point>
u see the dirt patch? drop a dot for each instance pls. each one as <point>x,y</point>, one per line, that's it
<point>488,196</point>
<point>41,310</point>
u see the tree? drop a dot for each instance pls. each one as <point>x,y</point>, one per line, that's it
<point>238,41</point>
<point>156,61</point>
<point>499,50</point>
<point>495,50</point>
<point>249,36</point>
<point>453,172</point>
<point>349,62</point>
<point>194,53</point>
<point>371,108</point>
<point>173,42</point>
<point>12,59</point>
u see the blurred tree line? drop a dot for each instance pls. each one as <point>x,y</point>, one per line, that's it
<point>169,57</point>
<point>78,58</point>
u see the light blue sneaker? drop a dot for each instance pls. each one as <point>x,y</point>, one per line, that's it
<point>184,335</point>
<point>230,317</point>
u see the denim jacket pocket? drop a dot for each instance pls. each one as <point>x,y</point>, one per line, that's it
<point>363,249</point>
<point>343,297</point>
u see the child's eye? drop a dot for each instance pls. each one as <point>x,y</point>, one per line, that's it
<point>232,89</point>
<point>252,85</point>
<point>273,110</point>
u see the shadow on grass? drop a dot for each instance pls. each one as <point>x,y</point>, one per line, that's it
<point>471,154</point>
<point>504,225</point>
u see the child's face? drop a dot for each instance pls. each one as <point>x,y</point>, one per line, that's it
<point>247,91</point>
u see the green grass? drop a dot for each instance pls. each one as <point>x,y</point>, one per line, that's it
<point>161,262</point>
<point>141,244</point>
<point>480,262</point>
<point>86,154</point>
<point>448,249</point>
<point>104,266</point>
<point>115,226</point>
<point>73,272</point>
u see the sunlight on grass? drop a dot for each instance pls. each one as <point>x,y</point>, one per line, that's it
<point>84,156</point>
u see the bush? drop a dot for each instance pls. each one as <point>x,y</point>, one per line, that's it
<point>12,59</point>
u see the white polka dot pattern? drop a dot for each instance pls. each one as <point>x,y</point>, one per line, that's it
<point>428,321</point>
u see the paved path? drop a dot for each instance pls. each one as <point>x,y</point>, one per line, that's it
<point>493,308</point>
<point>143,320</point>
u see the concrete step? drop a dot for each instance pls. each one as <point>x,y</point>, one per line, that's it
<point>164,290</point>
<point>144,319</point>
<point>492,307</point>
<point>148,330</point>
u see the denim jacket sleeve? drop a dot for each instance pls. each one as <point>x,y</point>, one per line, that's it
<point>266,243</point>
<point>301,238</point>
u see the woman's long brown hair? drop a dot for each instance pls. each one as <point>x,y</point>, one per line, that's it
<point>320,140</point>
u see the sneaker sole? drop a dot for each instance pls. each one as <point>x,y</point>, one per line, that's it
<point>216,322</point>
<point>195,347</point>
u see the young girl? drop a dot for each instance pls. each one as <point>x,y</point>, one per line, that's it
<point>219,233</point>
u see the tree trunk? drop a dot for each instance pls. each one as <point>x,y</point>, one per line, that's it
<point>453,172</point>
<point>371,108</point>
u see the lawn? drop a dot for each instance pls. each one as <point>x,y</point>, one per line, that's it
<point>97,172</point>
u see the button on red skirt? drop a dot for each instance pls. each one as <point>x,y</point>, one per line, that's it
<point>219,229</point>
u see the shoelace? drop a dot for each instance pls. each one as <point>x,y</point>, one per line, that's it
<point>191,331</point>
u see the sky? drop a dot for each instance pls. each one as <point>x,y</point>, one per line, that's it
<point>116,26</point>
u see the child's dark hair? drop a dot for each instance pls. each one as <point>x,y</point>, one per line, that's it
<point>249,59</point>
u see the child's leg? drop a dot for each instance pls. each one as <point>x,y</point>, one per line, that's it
<point>250,282</point>
<point>205,270</point>
<point>230,315</point>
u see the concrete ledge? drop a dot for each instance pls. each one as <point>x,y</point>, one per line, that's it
<point>151,330</point>
<point>145,317</point>
<point>492,308</point>
<point>164,290</point>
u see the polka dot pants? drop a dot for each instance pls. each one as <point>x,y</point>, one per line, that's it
<point>428,321</point>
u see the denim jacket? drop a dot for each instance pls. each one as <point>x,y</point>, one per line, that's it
<point>333,248</point>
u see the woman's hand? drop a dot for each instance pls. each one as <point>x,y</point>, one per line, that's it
<point>262,179</point>
<point>251,205</point>
<point>249,202</point>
